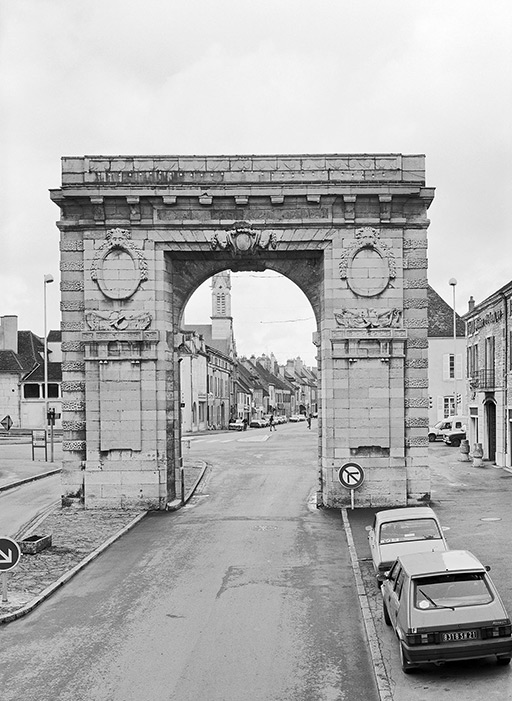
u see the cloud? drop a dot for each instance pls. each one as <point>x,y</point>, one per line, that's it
<point>259,77</point>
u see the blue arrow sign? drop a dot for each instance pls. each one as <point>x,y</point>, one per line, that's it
<point>10,554</point>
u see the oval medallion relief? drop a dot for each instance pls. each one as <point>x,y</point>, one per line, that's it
<point>118,274</point>
<point>368,272</point>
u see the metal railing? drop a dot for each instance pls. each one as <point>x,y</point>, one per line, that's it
<point>483,379</point>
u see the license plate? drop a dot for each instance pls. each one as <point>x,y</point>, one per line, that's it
<point>459,635</point>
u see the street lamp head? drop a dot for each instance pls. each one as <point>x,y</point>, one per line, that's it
<point>48,278</point>
<point>452,281</point>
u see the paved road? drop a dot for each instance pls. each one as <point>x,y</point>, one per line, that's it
<point>22,505</point>
<point>246,593</point>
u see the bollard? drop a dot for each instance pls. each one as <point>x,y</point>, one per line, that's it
<point>478,454</point>
<point>464,451</point>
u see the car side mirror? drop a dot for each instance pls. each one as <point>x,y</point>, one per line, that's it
<point>488,568</point>
<point>368,528</point>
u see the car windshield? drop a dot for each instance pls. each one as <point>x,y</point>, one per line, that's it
<point>413,529</point>
<point>449,590</point>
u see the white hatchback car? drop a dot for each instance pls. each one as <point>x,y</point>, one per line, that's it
<point>403,531</point>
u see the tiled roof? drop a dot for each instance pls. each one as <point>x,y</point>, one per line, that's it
<point>440,317</point>
<point>28,362</point>
<point>205,330</point>
<point>10,363</point>
<point>55,337</point>
<point>37,374</point>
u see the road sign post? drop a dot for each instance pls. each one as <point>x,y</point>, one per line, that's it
<point>10,554</point>
<point>39,440</point>
<point>6,422</point>
<point>351,476</point>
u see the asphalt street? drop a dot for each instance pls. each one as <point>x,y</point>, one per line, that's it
<point>259,588</point>
<point>247,592</point>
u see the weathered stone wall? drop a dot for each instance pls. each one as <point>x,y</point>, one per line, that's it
<point>139,235</point>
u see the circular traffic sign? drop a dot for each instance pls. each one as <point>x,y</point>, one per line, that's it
<point>351,475</point>
<point>10,554</point>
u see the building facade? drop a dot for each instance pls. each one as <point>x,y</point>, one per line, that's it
<point>489,375</point>
<point>446,360</point>
<point>22,376</point>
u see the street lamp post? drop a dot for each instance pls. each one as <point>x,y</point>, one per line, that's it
<point>47,280</point>
<point>453,282</point>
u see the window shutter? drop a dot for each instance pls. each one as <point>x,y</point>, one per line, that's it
<point>440,408</point>
<point>446,366</point>
<point>458,367</point>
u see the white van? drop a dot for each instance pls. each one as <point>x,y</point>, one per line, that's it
<point>451,423</point>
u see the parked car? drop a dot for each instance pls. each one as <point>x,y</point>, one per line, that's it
<point>237,425</point>
<point>454,437</point>
<point>258,423</point>
<point>443,606</point>
<point>401,531</point>
<point>297,417</point>
<point>441,428</point>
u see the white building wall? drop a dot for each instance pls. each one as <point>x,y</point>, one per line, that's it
<point>440,385</point>
<point>10,399</point>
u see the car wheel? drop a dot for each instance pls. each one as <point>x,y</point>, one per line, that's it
<point>455,442</point>
<point>431,437</point>
<point>407,667</point>
<point>387,619</point>
<point>503,660</point>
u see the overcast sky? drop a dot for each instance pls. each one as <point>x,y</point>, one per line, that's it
<point>264,76</point>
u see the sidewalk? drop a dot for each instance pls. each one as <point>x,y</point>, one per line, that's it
<point>78,536</point>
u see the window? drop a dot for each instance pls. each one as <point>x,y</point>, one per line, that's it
<point>464,589</point>
<point>31,391</point>
<point>452,366</point>
<point>413,529</point>
<point>399,583</point>
<point>489,353</point>
<point>448,406</point>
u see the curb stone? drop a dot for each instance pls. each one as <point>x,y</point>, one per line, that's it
<point>381,677</point>
<point>24,610</point>
<point>6,618</point>
<point>26,480</point>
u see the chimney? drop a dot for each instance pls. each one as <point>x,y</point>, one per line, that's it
<point>471,303</point>
<point>9,333</point>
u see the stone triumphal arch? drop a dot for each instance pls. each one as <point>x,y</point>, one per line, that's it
<point>139,234</point>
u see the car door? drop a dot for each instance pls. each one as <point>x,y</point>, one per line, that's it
<point>373,543</point>
<point>397,577</point>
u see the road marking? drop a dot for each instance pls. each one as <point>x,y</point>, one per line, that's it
<point>254,439</point>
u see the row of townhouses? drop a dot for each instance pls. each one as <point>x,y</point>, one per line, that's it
<point>217,386</point>
<point>469,372</point>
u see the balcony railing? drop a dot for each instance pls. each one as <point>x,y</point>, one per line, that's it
<point>483,380</point>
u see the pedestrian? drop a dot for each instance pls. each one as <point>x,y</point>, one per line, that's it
<point>271,422</point>
<point>309,420</point>
<point>245,423</point>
